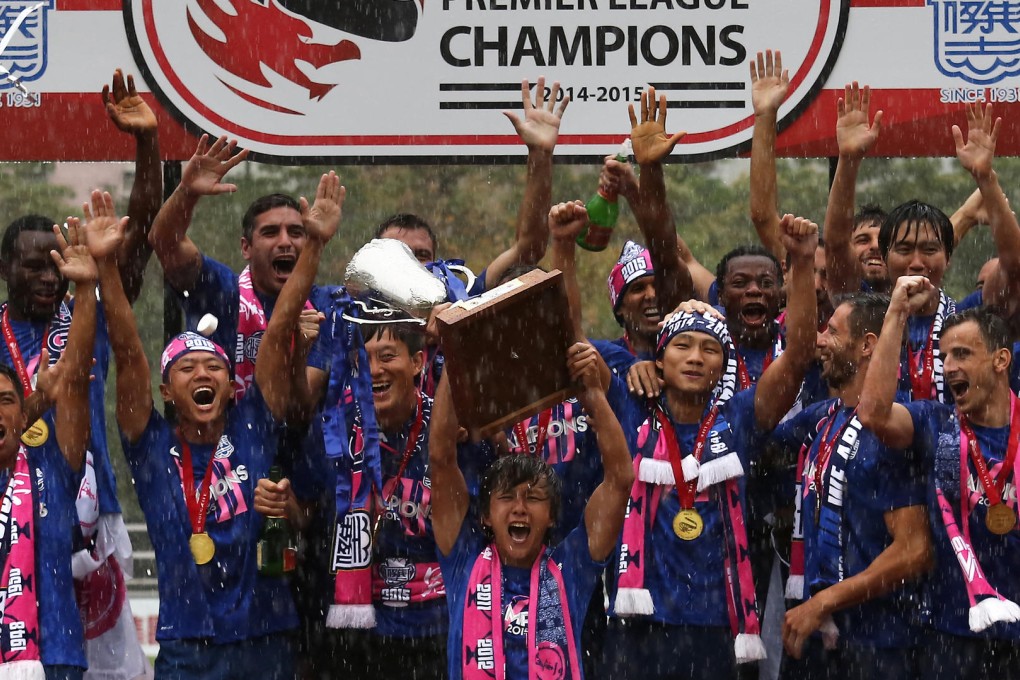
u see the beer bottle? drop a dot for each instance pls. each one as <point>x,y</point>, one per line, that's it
<point>276,553</point>
<point>603,211</point>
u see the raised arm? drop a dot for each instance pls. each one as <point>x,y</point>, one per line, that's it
<point>769,85</point>
<point>132,115</point>
<point>603,515</point>
<point>976,155</point>
<point>651,145</point>
<point>276,365</point>
<point>72,394</point>
<point>855,136</point>
<point>621,177</point>
<point>105,235</point>
<point>450,498</point>
<point>780,383</point>
<point>566,222</point>
<point>906,558</point>
<point>877,409</point>
<point>179,256</point>
<point>539,130</point>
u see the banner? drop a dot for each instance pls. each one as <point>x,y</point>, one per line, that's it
<point>301,81</point>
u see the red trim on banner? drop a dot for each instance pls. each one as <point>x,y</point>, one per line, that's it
<point>74,127</point>
<point>90,5</point>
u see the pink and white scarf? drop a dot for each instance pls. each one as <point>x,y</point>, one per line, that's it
<point>19,644</point>
<point>653,476</point>
<point>952,470</point>
<point>550,631</point>
<point>251,326</point>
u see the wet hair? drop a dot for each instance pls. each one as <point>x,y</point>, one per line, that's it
<point>407,333</point>
<point>994,331</point>
<point>23,225</point>
<point>261,205</point>
<point>12,375</point>
<point>870,213</point>
<point>903,216</point>
<point>517,270</point>
<point>745,251</point>
<point>409,222</point>
<point>510,471</point>
<point>867,312</point>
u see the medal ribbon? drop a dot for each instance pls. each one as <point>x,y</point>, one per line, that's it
<point>744,377</point>
<point>825,446</point>
<point>521,432</point>
<point>685,489</point>
<point>409,447</point>
<point>922,367</point>
<point>198,508</point>
<point>994,488</point>
<point>15,352</point>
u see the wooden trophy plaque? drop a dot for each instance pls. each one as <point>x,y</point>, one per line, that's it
<point>506,351</point>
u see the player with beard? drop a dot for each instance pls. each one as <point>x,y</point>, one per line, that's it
<point>516,602</point>
<point>968,451</point>
<point>40,470</point>
<point>683,567</point>
<point>272,238</point>
<point>196,478</point>
<point>860,530</point>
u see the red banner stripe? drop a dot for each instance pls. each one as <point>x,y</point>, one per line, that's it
<point>90,5</point>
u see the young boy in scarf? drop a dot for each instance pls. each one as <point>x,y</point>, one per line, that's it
<point>40,469</point>
<point>969,452</point>
<point>515,602</point>
<point>195,479</point>
<point>683,584</point>
<point>860,527</point>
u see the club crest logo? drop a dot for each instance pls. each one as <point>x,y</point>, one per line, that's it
<point>25,54</point>
<point>978,42</point>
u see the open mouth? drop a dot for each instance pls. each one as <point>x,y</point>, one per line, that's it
<point>874,263</point>
<point>3,434</point>
<point>203,396</point>
<point>284,265</point>
<point>754,314</point>
<point>380,388</point>
<point>652,313</point>
<point>959,388</point>
<point>518,531</point>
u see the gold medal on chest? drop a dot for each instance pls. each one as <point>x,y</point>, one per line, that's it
<point>37,434</point>
<point>688,525</point>
<point>1000,519</point>
<point>202,548</point>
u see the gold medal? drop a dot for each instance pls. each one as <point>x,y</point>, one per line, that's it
<point>37,434</point>
<point>1000,519</point>
<point>202,548</point>
<point>688,525</point>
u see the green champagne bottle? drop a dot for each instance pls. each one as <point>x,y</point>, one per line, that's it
<point>603,211</point>
<point>276,553</point>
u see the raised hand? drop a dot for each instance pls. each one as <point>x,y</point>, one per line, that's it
<point>977,153</point>
<point>567,220</point>
<point>50,379</point>
<point>126,108</point>
<point>583,365</point>
<point>540,127</point>
<point>770,82</point>
<point>619,177</point>
<point>104,232</point>
<point>799,236</point>
<point>322,218</point>
<point>72,255</point>
<point>203,173</point>
<point>648,135</point>
<point>911,293</point>
<point>854,134</point>
<point>307,331</point>
<point>693,307</point>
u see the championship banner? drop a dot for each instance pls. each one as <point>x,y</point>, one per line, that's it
<point>343,81</point>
